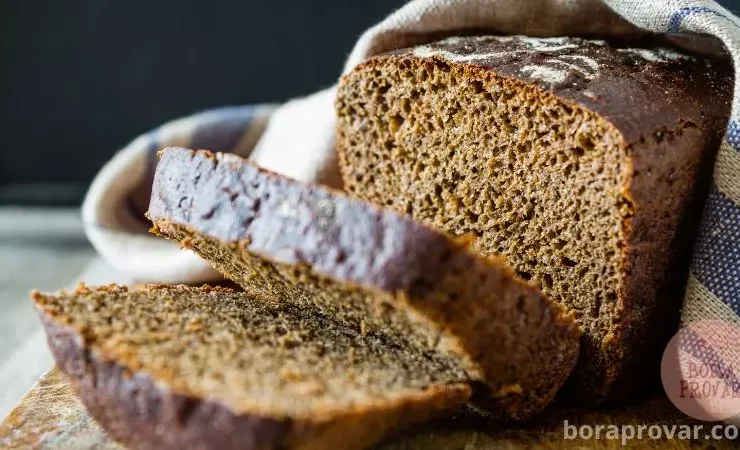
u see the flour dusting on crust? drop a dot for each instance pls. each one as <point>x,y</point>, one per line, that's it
<point>428,52</point>
<point>550,61</point>
<point>545,73</point>
<point>590,62</point>
<point>658,55</point>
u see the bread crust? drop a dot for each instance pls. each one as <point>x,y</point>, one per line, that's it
<point>232,204</point>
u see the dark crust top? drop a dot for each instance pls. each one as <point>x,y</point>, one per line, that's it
<point>294,223</point>
<point>641,91</point>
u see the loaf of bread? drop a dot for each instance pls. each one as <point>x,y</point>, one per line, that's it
<point>209,368</point>
<point>583,163</point>
<point>377,272</point>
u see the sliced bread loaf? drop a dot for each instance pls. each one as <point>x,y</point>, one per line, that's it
<point>583,163</point>
<point>209,368</point>
<point>376,271</point>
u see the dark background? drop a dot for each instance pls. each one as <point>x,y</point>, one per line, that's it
<point>80,78</point>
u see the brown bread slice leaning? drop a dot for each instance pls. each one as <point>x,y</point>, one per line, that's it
<point>374,270</point>
<point>585,164</point>
<point>208,368</point>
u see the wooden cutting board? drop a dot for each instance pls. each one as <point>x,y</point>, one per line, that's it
<point>50,417</point>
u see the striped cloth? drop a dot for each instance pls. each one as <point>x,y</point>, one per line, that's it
<point>713,290</point>
<point>297,138</point>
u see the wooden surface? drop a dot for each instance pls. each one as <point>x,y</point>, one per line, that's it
<point>51,417</point>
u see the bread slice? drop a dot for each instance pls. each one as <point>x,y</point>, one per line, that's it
<point>209,368</point>
<point>376,271</point>
<point>583,163</point>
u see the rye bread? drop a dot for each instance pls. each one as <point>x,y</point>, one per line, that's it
<point>374,270</point>
<point>176,367</point>
<point>584,163</point>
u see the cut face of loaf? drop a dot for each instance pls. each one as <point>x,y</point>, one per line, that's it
<point>377,272</point>
<point>209,368</point>
<point>583,164</point>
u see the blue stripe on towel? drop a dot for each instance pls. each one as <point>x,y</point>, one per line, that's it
<point>221,129</point>
<point>717,253</point>
<point>152,145</point>
<point>733,136</point>
<point>678,17</point>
